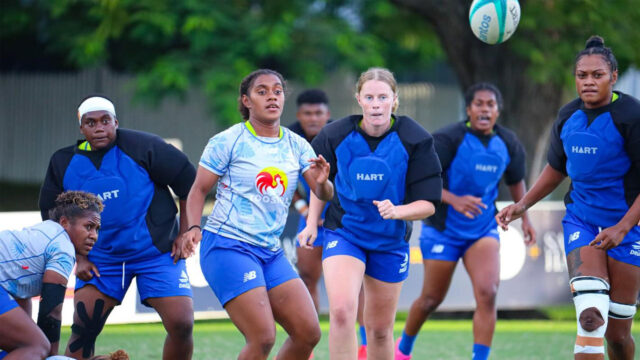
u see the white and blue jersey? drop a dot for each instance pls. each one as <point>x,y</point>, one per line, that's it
<point>258,177</point>
<point>401,165</point>
<point>473,164</point>
<point>25,255</point>
<point>599,149</point>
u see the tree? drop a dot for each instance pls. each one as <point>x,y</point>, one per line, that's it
<point>533,68</point>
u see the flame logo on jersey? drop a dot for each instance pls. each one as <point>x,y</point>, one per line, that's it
<point>271,178</point>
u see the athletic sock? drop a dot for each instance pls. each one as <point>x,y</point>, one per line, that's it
<point>363,335</point>
<point>480,352</point>
<point>406,343</point>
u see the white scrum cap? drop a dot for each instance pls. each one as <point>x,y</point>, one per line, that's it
<point>95,103</point>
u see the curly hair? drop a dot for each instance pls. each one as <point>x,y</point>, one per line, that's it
<point>75,204</point>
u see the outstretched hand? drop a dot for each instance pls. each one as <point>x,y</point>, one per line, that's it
<point>509,214</point>
<point>319,169</point>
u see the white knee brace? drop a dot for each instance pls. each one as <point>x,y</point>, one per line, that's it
<point>621,311</point>
<point>590,291</point>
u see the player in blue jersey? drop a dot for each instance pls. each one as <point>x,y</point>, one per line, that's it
<point>595,141</point>
<point>475,154</point>
<point>255,165</point>
<point>131,171</point>
<point>38,261</point>
<point>386,173</point>
<point>313,114</point>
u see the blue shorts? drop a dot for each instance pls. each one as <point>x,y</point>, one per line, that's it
<point>6,301</point>
<point>155,277</point>
<point>390,266</point>
<point>302,224</point>
<point>233,267</point>
<point>578,233</point>
<point>435,245</point>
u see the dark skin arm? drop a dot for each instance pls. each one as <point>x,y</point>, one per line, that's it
<point>548,180</point>
<point>176,249</point>
<point>85,269</point>
<point>612,236</point>
<point>204,182</point>
<point>517,191</point>
<point>53,277</point>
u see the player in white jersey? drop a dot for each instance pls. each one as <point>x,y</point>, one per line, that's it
<point>38,261</point>
<point>256,165</point>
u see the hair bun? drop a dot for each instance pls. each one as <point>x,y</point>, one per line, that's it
<point>595,41</point>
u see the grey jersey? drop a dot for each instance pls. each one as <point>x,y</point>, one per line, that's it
<point>26,254</point>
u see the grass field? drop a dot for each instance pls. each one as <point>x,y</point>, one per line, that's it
<point>439,339</point>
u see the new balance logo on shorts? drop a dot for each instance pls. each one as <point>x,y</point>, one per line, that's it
<point>403,266</point>
<point>332,244</point>
<point>249,275</point>
<point>184,281</point>
<point>636,249</point>
<point>437,248</point>
<point>575,236</point>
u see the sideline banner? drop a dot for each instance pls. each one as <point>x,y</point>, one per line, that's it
<point>530,277</point>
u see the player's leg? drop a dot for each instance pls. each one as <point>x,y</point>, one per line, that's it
<point>20,337</point>
<point>293,310</point>
<point>440,257</point>
<point>310,270</point>
<point>362,350</point>
<point>482,261</point>
<point>625,285</point>
<point>165,286</point>
<point>91,310</point>
<point>234,272</point>
<point>379,316</point>
<point>589,281</point>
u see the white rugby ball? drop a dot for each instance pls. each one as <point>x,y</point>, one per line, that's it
<point>494,21</point>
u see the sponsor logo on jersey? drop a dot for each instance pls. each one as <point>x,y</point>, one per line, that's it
<point>437,248</point>
<point>369,177</point>
<point>636,249</point>
<point>403,266</point>
<point>591,150</point>
<point>249,276</point>
<point>486,168</point>
<point>184,281</point>
<point>332,244</point>
<point>107,195</point>
<point>575,236</point>
<point>271,178</point>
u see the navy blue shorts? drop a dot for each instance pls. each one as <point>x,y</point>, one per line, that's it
<point>578,233</point>
<point>155,277</point>
<point>437,246</point>
<point>233,267</point>
<point>389,266</point>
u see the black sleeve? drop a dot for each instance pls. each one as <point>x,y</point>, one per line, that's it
<point>516,169</point>
<point>52,185</point>
<point>327,140</point>
<point>423,179</point>
<point>626,117</point>
<point>446,142</point>
<point>166,165</point>
<point>555,156</point>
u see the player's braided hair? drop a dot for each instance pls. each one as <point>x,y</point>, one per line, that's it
<point>595,46</point>
<point>247,84</point>
<point>74,204</point>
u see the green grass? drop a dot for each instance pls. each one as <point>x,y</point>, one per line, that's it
<point>439,339</point>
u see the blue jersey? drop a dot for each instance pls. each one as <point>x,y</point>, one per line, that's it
<point>473,164</point>
<point>401,165</point>
<point>132,177</point>
<point>599,149</point>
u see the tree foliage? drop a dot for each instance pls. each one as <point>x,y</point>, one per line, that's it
<point>173,46</point>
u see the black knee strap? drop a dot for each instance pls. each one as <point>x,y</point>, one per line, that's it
<point>90,329</point>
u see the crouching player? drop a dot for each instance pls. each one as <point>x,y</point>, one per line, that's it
<point>38,261</point>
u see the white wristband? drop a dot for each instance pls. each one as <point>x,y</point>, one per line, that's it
<point>300,204</point>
